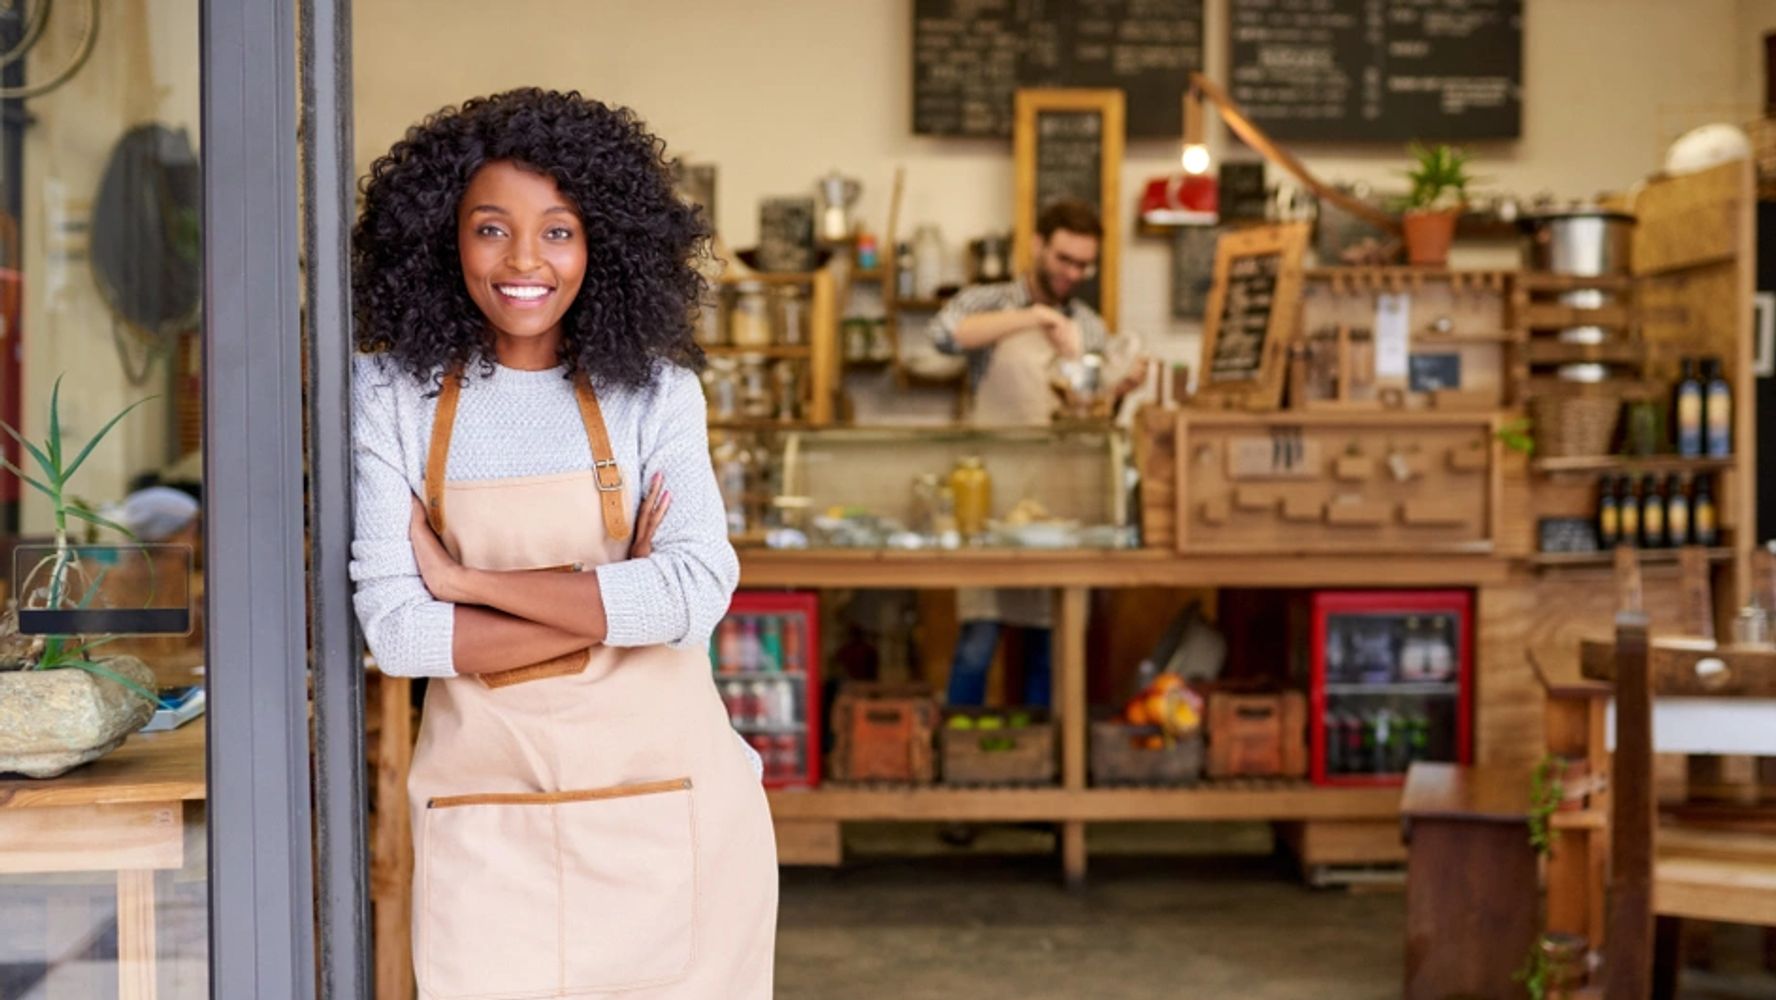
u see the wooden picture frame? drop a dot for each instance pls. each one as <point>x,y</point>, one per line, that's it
<point>1247,375</point>
<point>1110,105</point>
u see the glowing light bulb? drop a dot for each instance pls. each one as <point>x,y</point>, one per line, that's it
<point>1195,158</point>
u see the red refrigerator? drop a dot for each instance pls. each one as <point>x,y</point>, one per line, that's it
<point>766,658</point>
<point>1392,682</point>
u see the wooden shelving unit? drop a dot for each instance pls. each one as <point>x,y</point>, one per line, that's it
<point>775,351</point>
<point>1604,560</point>
<point>820,354</point>
<point>1591,464</point>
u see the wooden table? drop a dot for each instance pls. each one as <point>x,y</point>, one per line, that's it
<point>1471,889</point>
<point>124,813</point>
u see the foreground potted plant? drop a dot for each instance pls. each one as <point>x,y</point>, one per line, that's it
<point>1439,178</point>
<point>62,704</point>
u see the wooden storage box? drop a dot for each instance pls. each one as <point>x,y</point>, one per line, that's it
<point>1005,754</point>
<point>1257,735</point>
<point>884,733</point>
<point>1119,756</point>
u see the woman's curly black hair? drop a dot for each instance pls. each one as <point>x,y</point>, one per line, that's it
<point>643,286</point>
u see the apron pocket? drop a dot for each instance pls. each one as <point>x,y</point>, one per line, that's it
<point>531,894</point>
<point>560,666</point>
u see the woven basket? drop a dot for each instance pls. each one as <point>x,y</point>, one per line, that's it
<point>1571,426</point>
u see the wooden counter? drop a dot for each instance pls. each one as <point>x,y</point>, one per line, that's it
<point>766,568</point>
<point>123,813</point>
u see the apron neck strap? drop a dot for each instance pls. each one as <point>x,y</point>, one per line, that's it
<point>605,473</point>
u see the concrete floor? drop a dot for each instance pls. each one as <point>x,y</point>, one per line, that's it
<point>1198,911</point>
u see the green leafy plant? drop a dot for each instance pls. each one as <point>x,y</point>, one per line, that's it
<point>1535,972</point>
<point>56,471</point>
<point>1546,790</point>
<point>1517,436</point>
<point>1439,178</point>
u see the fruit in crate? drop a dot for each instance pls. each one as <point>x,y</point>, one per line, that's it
<point>1166,702</point>
<point>960,722</point>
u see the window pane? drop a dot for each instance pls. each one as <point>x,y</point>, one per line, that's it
<point>100,288</point>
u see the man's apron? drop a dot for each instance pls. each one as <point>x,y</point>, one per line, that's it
<point>1013,392</point>
<point>589,824</point>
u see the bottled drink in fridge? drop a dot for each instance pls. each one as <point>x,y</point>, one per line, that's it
<point>728,646</point>
<point>1334,743</point>
<point>771,643</point>
<point>792,645</point>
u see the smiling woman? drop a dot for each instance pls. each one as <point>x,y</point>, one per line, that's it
<point>582,811</point>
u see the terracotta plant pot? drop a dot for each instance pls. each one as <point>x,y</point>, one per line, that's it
<point>52,721</point>
<point>1428,235</point>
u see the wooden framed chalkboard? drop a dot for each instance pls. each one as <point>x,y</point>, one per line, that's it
<point>1068,144</point>
<point>971,56</point>
<point>1384,70</point>
<point>1254,309</point>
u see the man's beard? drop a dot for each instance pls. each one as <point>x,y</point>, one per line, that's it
<point>1048,288</point>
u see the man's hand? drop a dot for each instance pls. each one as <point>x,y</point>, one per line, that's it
<point>1137,375</point>
<point>1062,332</point>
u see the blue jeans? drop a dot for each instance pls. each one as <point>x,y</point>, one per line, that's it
<point>974,656</point>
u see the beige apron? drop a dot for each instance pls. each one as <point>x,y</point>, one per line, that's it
<point>587,825</point>
<point>1013,392</point>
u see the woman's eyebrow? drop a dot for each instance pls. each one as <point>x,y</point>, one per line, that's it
<point>495,209</point>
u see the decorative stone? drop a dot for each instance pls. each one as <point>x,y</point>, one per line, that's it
<point>52,721</point>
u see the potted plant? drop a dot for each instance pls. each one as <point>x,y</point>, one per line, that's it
<point>1440,180</point>
<point>61,703</point>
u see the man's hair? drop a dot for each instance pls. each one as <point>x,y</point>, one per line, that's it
<point>1071,214</point>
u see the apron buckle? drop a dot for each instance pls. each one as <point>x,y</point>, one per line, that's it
<point>598,468</point>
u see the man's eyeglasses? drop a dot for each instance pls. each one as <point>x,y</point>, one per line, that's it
<point>1086,268</point>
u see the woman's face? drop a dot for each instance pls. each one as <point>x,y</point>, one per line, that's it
<point>523,250</point>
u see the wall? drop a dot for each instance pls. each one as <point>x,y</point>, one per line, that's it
<point>142,69</point>
<point>778,92</point>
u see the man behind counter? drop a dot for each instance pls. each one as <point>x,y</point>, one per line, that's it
<point>1011,332</point>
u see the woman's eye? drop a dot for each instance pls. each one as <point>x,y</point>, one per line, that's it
<point>560,233</point>
<point>489,231</point>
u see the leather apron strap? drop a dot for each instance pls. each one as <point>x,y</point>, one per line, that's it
<point>604,463</point>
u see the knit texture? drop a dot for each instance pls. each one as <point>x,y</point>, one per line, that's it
<point>522,423</point>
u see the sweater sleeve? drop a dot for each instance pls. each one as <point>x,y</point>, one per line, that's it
<point>409,632</point>
<point>677,595</point>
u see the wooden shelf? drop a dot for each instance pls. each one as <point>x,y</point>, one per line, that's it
<point>770,277</point>
<point>1554,352</point>
<point>1604,560</point>
<point>1554,316</point>
<point>1622,388</point>
<point>869,274</point>
<point>919,305</point>
<point>1255,799</point>
<point>759,425</point>
<point>1581,464</point>
<point>773,350</point>
<point>1488,337</point>
<point>1405,277</point>
<point>865,364</point>
<point>1536,281</point>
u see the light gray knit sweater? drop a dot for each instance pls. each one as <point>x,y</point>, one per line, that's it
<point>525,423</point>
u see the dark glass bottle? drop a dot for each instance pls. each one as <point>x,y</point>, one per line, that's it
<point>1628,506</point>
<point>1686,412</point>
<point>1652,512</point>
<point>1677,512</point>
<point>1717,410</point>
<point>1704,517</point>
<point>1609,515</point>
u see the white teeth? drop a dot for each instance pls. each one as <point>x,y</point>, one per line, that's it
<point>522,291</point>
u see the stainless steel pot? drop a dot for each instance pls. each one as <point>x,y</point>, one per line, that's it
<point>1587,241</point>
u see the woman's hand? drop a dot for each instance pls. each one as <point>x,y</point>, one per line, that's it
<point>647,521</point>
<point>443,575</point>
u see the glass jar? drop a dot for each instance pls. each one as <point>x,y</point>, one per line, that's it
<point>749,321</point>
<point>857,339</point>
<point>928,260</point>
<point>755,388</point>
<point>973,488</point>
<point>721,387</point>
<point>792,315</point>
<point>710,331</point>
<point>786,377</point>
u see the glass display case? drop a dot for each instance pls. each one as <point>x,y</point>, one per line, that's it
<point>1061,487</point>
<point>766,658</point>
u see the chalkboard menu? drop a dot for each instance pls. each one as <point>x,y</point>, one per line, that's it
<point>1246,304</point>
<point>1379,69</point>
<point>1068,144</point>
<point>971,56</point>
<point>1253,306</point>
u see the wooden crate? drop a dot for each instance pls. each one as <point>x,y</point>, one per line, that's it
<point>1257,735</point>
<point>883,732</point>
<point>1024,755</point>
<point>1118,757</point>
